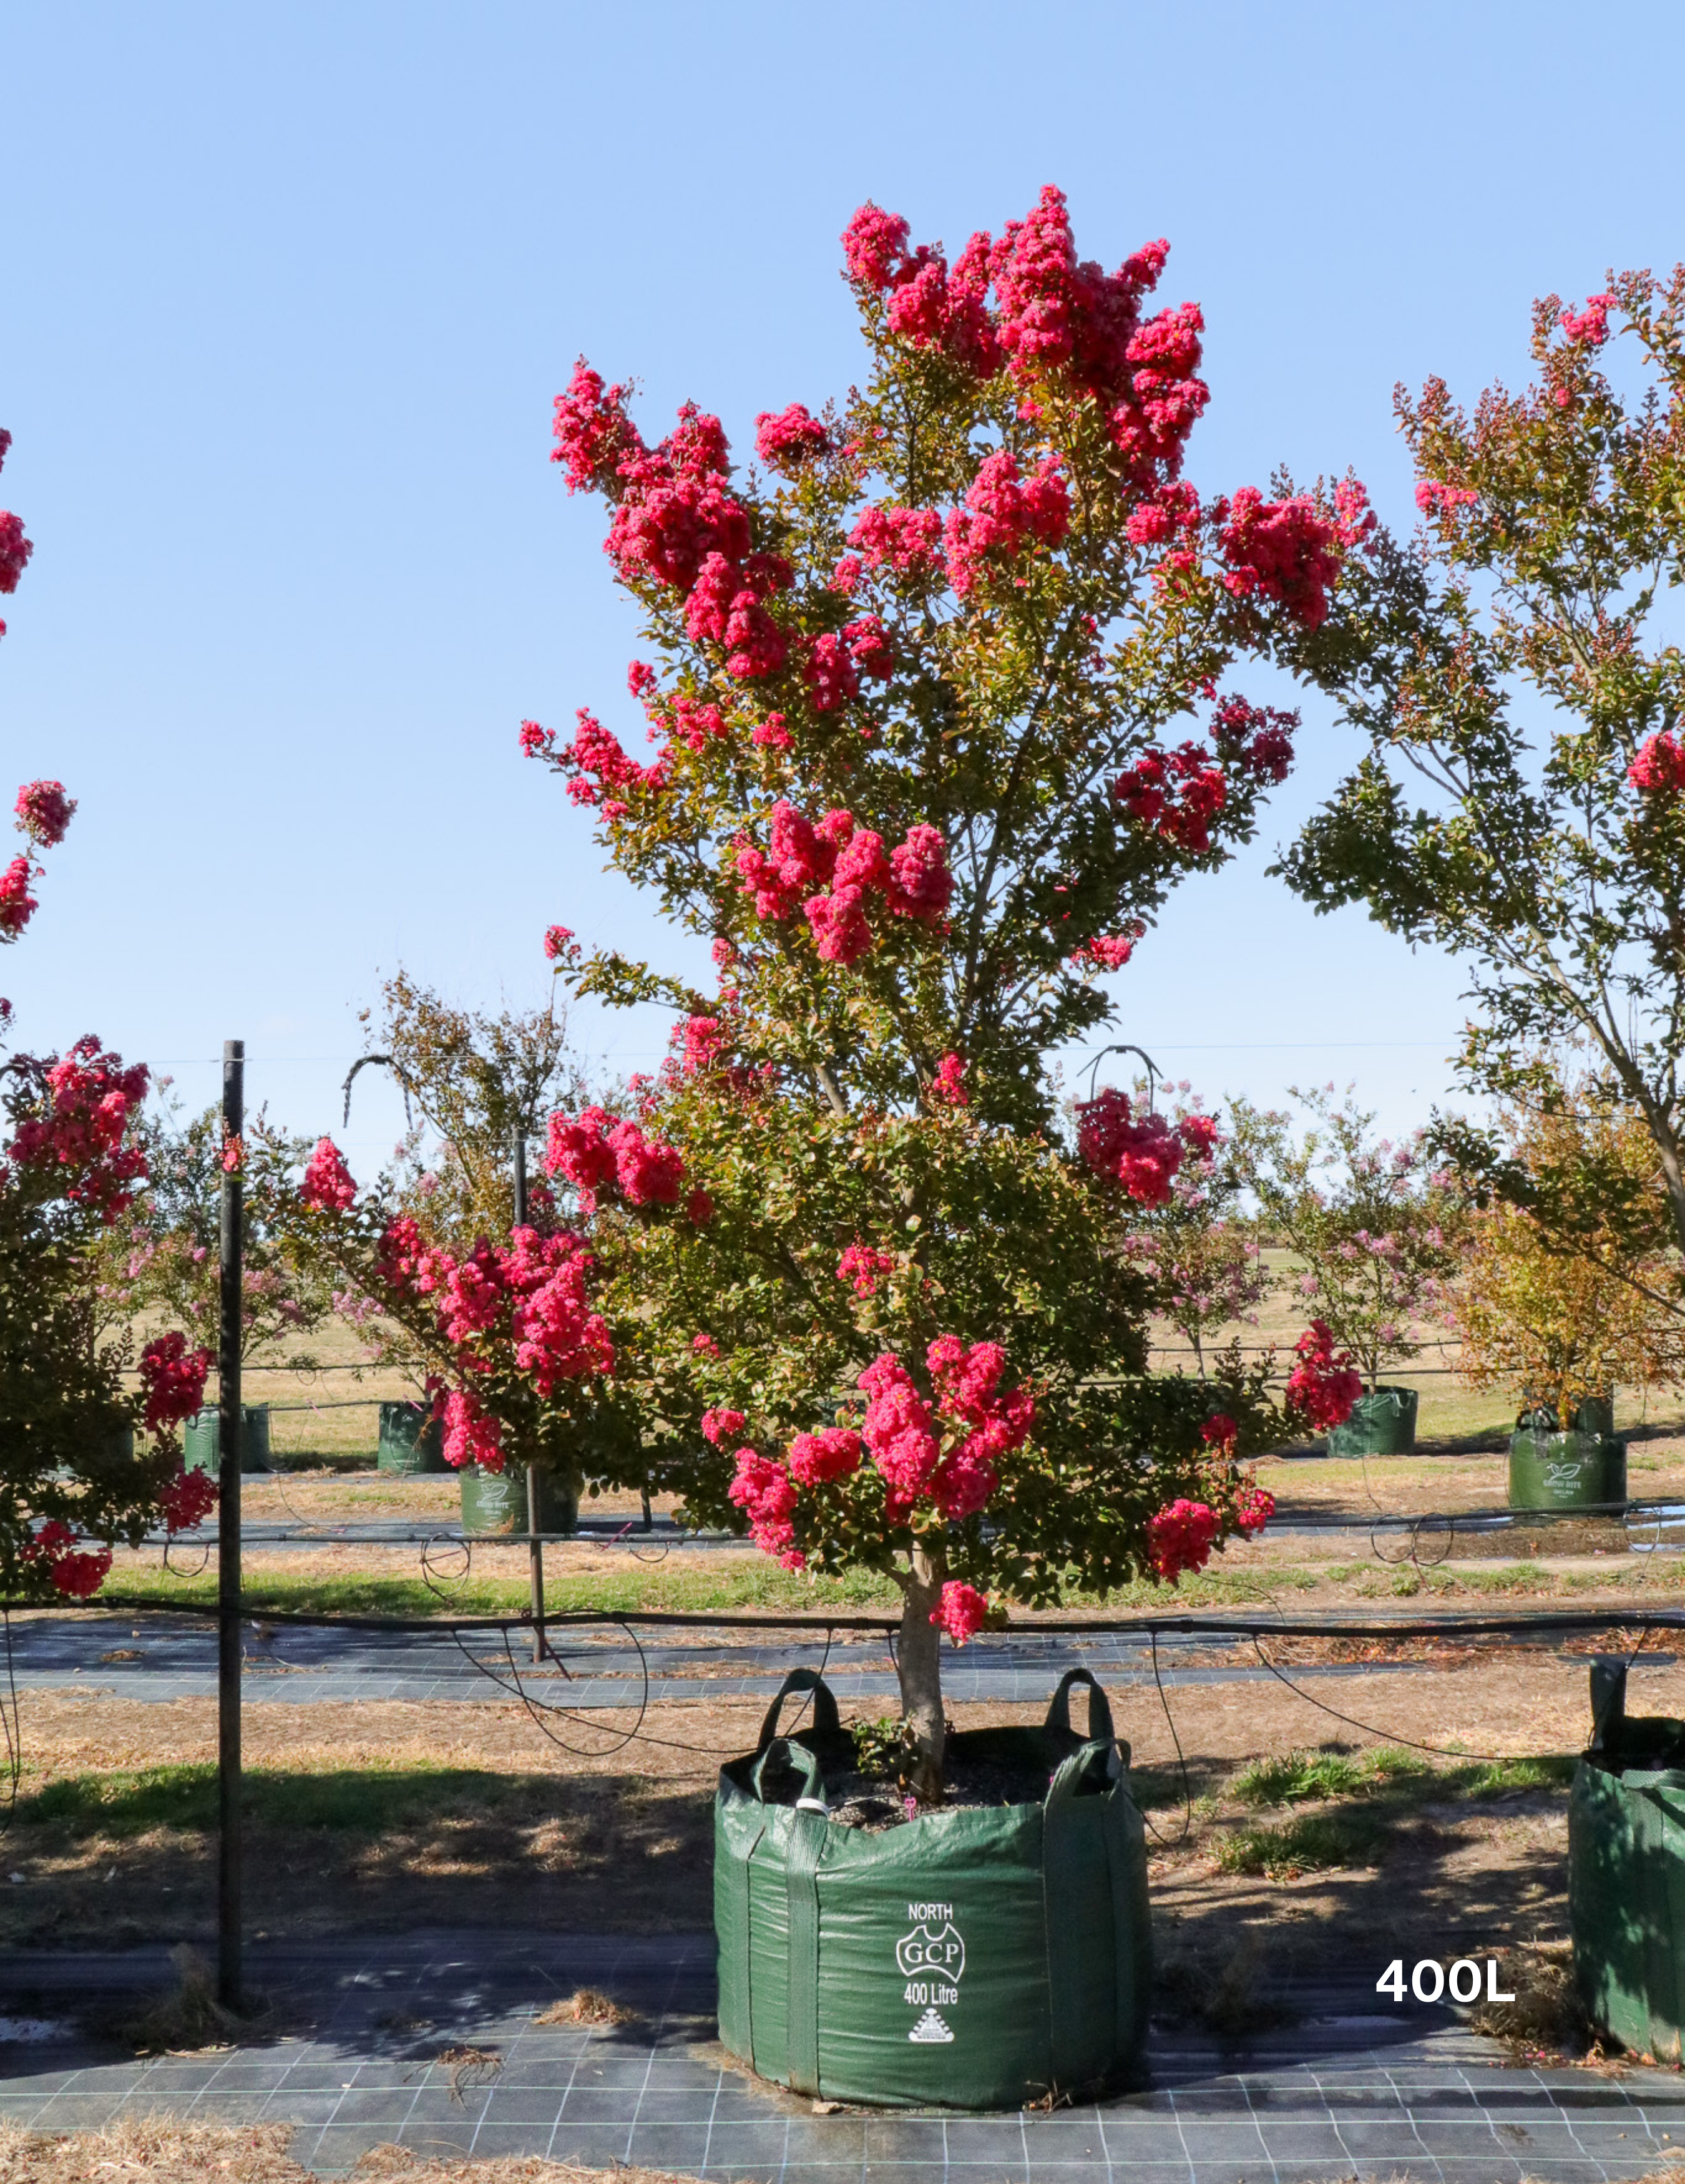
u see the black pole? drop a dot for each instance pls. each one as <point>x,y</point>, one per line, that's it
<point>230,1302</point>
<point>535,1549</point>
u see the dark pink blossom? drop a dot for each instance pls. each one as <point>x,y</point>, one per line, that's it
<point>947,1086</point>
<point>1283,550</point>
<point>1141,1152</point>
<point>327,1182</point>
<point>172,1381</point>
<point>1181,1538</point>
<point>44,812</point>
<point>789,439</point>
<point>961,1612</point>
<point>833,1452</point>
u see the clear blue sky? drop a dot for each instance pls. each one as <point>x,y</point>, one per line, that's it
<point>288,292</point>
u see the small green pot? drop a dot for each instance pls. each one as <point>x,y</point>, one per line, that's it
<point>200,1439</point>
<point>494,1502</point>
<point>410,1442</point>
<point>1383,1422</point>
<point>1565,1470</point>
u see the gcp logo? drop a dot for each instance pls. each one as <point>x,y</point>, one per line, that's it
<point>931,1951</point>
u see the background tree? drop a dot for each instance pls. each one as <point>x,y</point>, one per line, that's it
<point>164,1256</point>
<point>935,696</point>
<point>472,1081</point>
<point>1556,1324</point>
<point>1197,1248</point>
<point>1366,1218</point>
<point>1516,676</point>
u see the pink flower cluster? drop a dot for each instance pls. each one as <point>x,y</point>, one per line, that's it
<point>1659,767</point>
<point>187,1500</point>
<point>1322,1388</point>
<point>44,812</point>
<point>597,1153</point>
<point>1054,312</point>
<point>1142,1151</point>
<point>864,1266</point>
<point>602,772</point>
<point>1286,550</point>
<point>327,1183</point>
<point>471,1434</point>
<point>1107,951</point>
<point>1433,498</point>
<point>77,1573</point>
<point>906,540</point>
<point>90,1097</point>
<point>1590,328</point>
<point>1257,740</point>
<point>560,946</point>
<point>833,1452</point>
<point>905,1435</point>
<point>961,1612</point>
<point>1174,795</point>
<point>1181,1538</point>
<point>789,439</point>
<point>912,880</point>
<point>172,1380</point>
<point>1253,1509</point>
<point>1000,513</point>
<point>529,1299</point>
<point>983,1423</point>
<point>1220,1432</point>
<point>947,1087</point>
<point>767,1494</point>
<point>677,521</point>
<point>17,905</point>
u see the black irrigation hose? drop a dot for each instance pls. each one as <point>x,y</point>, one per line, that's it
<point>1570,1621</point>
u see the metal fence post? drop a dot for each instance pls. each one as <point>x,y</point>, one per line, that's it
<point>535,1547</point>
<point>228,1438</point>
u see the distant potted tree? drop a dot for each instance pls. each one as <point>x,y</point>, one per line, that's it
<point>1369,1223</point>
<point>1564,1328</point>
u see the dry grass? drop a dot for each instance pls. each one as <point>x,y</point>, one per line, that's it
<point>471,2068</point>
<point>170,2151</point>
<point>187,2018</point>
<point>586,2006</point>
<point>158,2146</point>
<point>1547,2017</point>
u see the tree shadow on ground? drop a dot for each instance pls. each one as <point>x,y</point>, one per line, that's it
<point>116,1859</point>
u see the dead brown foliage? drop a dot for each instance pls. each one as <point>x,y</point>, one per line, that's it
<point>1546,2014</point>
<point>586,2006</point>
<point>168,2151</point>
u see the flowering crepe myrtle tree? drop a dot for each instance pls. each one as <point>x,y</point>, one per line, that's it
<point>1195,1246</point>
<point>1373,1222</point>
<point>936,693</point>
<point>520,1358</point>
<point>68,1168</point>
<point>1516,676</point>
<point>167,1247</point>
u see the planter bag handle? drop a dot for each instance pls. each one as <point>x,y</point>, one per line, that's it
<point>810,1797</point>
<point>825,1721</point>
<point>1100,1728</point>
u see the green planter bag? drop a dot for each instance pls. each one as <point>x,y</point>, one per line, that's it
<point>1383,1422</point>
<point>1565,1470</point>
<point>410,1442</point>
<point>200,1452</point>
<point>1627,1872</point>
<point>494,1502</point>
<point>977,1958</point>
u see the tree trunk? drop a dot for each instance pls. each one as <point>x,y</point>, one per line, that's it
<point>919,1661</point>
